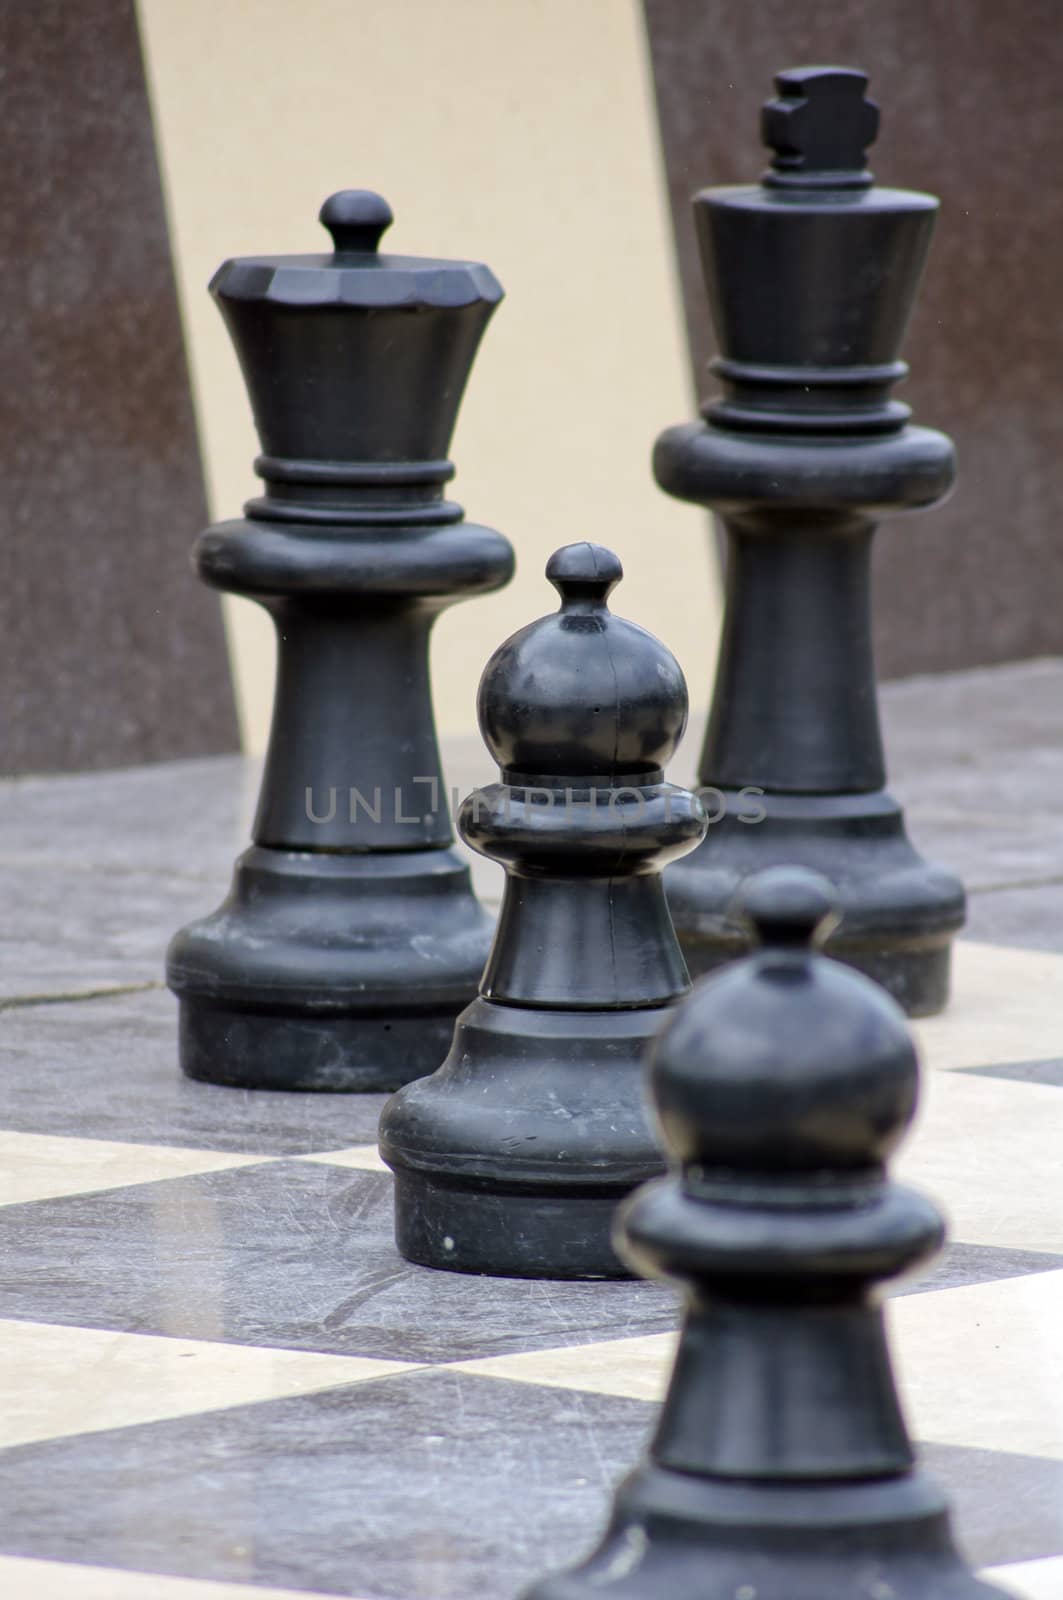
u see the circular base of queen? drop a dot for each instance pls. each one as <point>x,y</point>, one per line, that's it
<point>900,913</point>
<point>510,1160</point>
<point>329,972</point>
<point>360,1053</point>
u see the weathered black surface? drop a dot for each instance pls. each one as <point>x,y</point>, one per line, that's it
<point>985,336</point>
<point>110,652</point>
<point>511,1158</point>
<point>781,1468</point>
<point>351,938</point>
<point>810,277</point>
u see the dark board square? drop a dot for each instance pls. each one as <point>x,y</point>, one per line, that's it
<point>1005,1507</point>
<point>292,1254</point>
<point>109,1066</point>
<point>424,1486</point>
<point>1049,1072</point>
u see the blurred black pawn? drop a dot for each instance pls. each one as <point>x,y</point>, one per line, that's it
<point>811,275</point>
<point>781,1468</point>
<point>511,1158</point>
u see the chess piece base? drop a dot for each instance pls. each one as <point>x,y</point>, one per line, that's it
<point>329,972</point>
<point>900,914</point>
<point>707,1539</point>
<point>460,1228</point>
<point>511,1159</point>
<point>363,1053</point>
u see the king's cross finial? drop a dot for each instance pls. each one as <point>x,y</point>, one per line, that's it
<point>820,127</point>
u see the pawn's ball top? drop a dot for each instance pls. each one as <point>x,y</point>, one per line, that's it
<point>785,1062</point>
<point>820,127</point>
<point>356,219</point>
<point>582,693</point>
<point>584,572</point>
<point>789,906</point>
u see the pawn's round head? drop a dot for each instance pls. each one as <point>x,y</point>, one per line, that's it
<point>581,693</point>
<point>785,1062</point>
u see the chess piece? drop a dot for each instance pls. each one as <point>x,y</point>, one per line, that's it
<point>351,938</point>
<point>811,276</point>
<point>781,1467</point>
<point>511,1158</point>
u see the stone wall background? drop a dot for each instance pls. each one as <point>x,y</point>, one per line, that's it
<point>111,652</point>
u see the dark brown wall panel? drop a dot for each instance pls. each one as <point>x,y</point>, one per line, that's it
<point>972,111</point>
<point>110,651</point>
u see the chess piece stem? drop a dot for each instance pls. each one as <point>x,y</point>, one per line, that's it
<point>810,276</point>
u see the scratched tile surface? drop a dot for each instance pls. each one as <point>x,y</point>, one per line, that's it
<point>215,1371</point>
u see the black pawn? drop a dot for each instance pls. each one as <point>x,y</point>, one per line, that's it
<point>781,1467</point>
<point>351,938</point>
<point>511,1158</point>
<point>811,277</point>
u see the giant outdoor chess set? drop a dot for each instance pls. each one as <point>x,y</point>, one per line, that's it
<point>219,1369</point>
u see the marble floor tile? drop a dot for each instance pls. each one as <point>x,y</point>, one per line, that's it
<point>1011,1372</point>
<point>100,870</point>
<point>1031,1580</point>
<point>986,781</point>
<point>988,1151</point>
<point>634,1369</point>
<point>323,1491</point>
<point>1007,1005</point>
<point>292,1254</point>
<point>43,1167</point>
<point>110,1065</point>
<point>360,1158</point>
<point>56,1382</point>
<point>1047,1073</point>
<point>69,934</point>
<point>301,1254</point>
<point>172,818</point>
<point>988,850</point>
<point>212,1361</point>
<point>1006,1393</point>
<point>24,1578</point>
<point>957,718</point>
<point>1005,1507</point>
<point>962,1263</point>
<point>430,1485</point>
<point>1028,917</point>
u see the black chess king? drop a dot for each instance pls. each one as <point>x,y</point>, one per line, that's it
<point>351,938</point>
<point>512,1157</point>
<point>781,1468</point>
<point>811,275</point>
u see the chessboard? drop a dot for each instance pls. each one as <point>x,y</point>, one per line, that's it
<point>218,1378</point>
